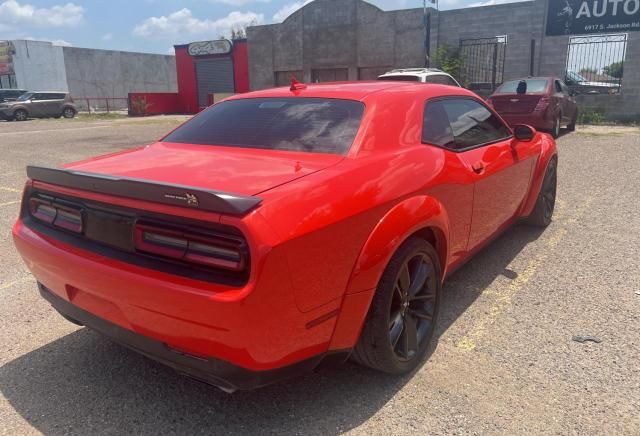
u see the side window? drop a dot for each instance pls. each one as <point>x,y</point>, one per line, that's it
<point>472,124</point>
<point>55,96</point>
<point>565,88</point>
<point>558,86</point>
<point>38,96</point>
<point>436,129</point>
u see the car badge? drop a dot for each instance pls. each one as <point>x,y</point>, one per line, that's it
<point>190,199</point>
<point>514,100</point>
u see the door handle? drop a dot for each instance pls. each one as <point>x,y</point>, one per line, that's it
<point>478,167</point>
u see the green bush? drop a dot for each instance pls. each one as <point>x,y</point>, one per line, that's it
<point>590,116</point>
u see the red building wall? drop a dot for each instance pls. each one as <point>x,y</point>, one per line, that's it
<point>240,65</point>
<point>187,83</point>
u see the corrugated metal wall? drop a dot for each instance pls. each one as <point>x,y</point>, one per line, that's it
<point>214,76</point>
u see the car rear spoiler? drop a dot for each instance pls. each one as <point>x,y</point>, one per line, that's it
<point>146,190</point>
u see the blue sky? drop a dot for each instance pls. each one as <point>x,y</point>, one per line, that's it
<point>153,25</point>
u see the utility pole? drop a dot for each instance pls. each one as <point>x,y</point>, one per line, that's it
<point>427,30</point>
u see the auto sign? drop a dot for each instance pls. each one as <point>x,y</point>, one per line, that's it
<point>571,17</point>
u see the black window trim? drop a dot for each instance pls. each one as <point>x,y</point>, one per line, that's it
<point>464,97</point>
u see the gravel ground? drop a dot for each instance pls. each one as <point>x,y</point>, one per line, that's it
<point>505,361</point>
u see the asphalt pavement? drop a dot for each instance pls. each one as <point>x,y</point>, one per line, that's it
<point>505,361</point>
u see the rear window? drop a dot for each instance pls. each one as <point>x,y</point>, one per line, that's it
<point>314,125</point>
<point>534,86</point>
<point>401,78</point>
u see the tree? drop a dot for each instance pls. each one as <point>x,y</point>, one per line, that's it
<point>614,70</point>
<point>450,60</point>
<point>588,70</point>
<point>240,32</point>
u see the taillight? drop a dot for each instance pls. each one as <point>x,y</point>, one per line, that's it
<point>209,249</point>
<point>65,216</point>
<point>543,103</point>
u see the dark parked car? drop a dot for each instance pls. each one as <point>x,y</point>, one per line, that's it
<point>542,102</point>
<point>39,105</point>
<point>10,94</point>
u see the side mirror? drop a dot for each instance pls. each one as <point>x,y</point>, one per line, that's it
<point>524,133</point>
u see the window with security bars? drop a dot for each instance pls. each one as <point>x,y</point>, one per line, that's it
<point>595,63</point>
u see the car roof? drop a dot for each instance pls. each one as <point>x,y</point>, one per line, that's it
<point>414,72</point>
<point>532,78</point>
<point>356,90</point>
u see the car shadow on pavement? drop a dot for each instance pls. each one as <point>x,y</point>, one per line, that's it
<point>83,383</point>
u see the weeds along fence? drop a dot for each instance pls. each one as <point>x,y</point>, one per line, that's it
<point>101,104</point>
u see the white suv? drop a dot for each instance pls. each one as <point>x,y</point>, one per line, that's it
<point>425,75</point>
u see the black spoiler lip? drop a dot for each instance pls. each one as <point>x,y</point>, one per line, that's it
<point>146,190</point>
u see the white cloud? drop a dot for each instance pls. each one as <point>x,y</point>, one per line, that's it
<point>288,9</point>
<point>183,22</point>
<point>492,3</point>
<point>60,42</point>
<point>107,36</point>
<point>13,13</point>
<point>240,2</point>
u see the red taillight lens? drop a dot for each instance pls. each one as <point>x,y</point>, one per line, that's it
<point>213,250</point>
<point>542,105</point>
<point>63,216</point>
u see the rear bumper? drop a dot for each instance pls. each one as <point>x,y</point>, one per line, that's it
<point>209,370</point>
<point>534,119</point>
<point>257,327</point>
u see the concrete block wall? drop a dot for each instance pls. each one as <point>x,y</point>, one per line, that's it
<point>354,34</point>
<point>109,73</point>
<point>39,66</point>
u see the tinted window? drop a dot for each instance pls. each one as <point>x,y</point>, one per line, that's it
<point>469,124</point>
<point>26,96</point>
<point>402,78</point>
<point>441,79</point>
<point>299,124</point>
<point>436,128</point>
<point>534,86</point>
<point>38,96</point>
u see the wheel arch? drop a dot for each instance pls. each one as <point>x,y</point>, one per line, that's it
<point>547,153</point>
<point>20,108</point>
<point>421,216</point>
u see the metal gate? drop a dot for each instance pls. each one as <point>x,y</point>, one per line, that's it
<point>214,76</point>
<point>483,63</point>
<point>595,63</point>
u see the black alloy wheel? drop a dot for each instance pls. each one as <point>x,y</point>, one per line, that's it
<point>413,306</point>
<point>549,190</point>
<point>399,328</point>
<point>546,201</point>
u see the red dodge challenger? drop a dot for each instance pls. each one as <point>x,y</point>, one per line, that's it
<point>281,230</point>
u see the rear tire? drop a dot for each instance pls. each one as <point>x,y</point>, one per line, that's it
<point>543,210</point>
<point>20,115</point>
<point>401,321</point>
<point>68,112</point>
<point>556,127</point>
<point>572,127</point>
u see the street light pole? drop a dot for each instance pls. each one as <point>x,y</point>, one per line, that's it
<point>427,31</point>
<point>426,15</point>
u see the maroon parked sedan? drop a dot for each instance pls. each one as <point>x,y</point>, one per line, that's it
<point>542,102</point>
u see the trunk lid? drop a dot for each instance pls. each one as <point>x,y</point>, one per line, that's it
<point>235,170</point>
<point>515,103</point>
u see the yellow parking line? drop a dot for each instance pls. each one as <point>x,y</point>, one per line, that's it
<point>16,282</point>
<point>6,188</point>
<point>503,297</point>
<point>9,202</point>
